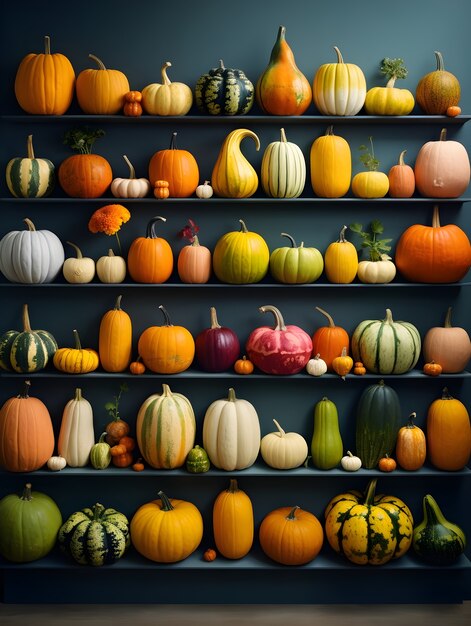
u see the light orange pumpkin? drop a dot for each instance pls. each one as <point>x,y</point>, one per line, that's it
<point>115,339</point>
<point>150,258</point>
<point>233,522</point>
<point>411,446</point>
<point>194,263</point>
<point>401,179</point>
<point>178,167</point>
<point>447,345</point>
<point>101,91</point>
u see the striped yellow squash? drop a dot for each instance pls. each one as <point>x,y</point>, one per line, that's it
<point>166,429</point>
<point>331,165</point>
<point>233,176</point>
<point>29,177</point>
<point>283,171</point>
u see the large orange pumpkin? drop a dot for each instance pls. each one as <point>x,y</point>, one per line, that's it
<point>329,341</point>
<point>178,167</point>
<point>101,91</point>
<point>85,175</point>
<point>44,83</point>
<point>26,433</point>
<point>150,258</point>
<point>433,254</point>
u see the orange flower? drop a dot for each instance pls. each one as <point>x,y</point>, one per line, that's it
<point>109,219</point>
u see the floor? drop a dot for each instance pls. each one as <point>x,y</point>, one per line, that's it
<point>234,615</point>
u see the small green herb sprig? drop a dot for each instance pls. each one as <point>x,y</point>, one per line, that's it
<point>393,69</point>
<point>377,248</point>
<point>112,408</point>
<point>368,157</point>
<point>82,139</point>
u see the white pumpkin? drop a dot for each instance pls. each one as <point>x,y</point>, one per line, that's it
<point>167,98</point>
<point>31,256</point>
<point>56,463</point>
<point>316,366</point>
<point>350,462</point>
<point>78,269</point>
<point>76,435</point>
<point>131,187</point>
<point>204,191</point>
<point>231,433</point>
<point>374,272</point>
<point>283,173</point>
<point>282,450</point>
<point>111,268</point>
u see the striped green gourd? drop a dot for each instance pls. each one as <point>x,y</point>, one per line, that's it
<point>224,91</point>
<point>385,346</point>
<point>95,536</point>
<point>283,173</point>
<point>166,429</point>
<point>100,455</point>
<point>27,350</point>
<point>29,177</point>
<point>378,419</point>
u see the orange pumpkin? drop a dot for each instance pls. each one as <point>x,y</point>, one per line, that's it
<point>401,179</point>
<point>150,258</point>
<point>243,366</point>
<point>132,104</point>
<point>411,448</point>
<point>432,369</point>
<point>101,91</point>
<point>387,464</point>
<point>233,522</point>
<point>26,433</point>
<point>166,349</point>
<point>342,365</point>
<point>178,167</point>
<point>194,263</point>
<point>161,189</point>
<point>85,175</point>
<point>433,254</point>
<point>329,341</point>
<point>45,83</point>
<point>447,345</point>
<point>115,339</point>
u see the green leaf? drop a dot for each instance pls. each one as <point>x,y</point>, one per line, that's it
<point>376,227</point>
<point>393,68</point>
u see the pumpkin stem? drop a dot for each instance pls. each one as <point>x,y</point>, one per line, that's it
<point>29,224</point>
<point>110,252</point>
<point>166,504</point>
<point>370,492</point>
<point>132,171</point>
<point>283,135</point>
<point>221,64</point>
<point>25,392</point>
<point>329,317</point>
<point>150,231</point>
<point>165,78</point>
<point>47,44</point>
<point>173,142</point>
<point>78,345</point>
<point>342,238</point>
<point>233,486</point>
<point>78,395</point>
<point>293,242</point>
<point>98,510</point>
<point>410,420</point>
<point>102,437</point>
<point>214,319</point>
<point>231,397</point>
<point>166,390</point>
<point>100,63</point>
<point>29,147</point>
<point>388,319</point>
<point>117,306</point>
<point>196,241</point>
<point>401,158</point>
<point>281,432</point>
<point>435,217</point>
<point>27,495</point>
<point>26,322</point>
<point>447,323</point>
<point>443,134</point>
<point>339,55</point>
<point>439,59</point>
<point>446,395</point>
<point>329,131</point>
<point>77,250</point>
<point>280,323</point>
<point>291,515</point>
<point>243,227</point>
<point>166,316</point>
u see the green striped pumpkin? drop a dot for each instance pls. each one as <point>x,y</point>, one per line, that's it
<point>28,177</point>
<point>283,172</point>
<point>224,91</point>
<point>166,429</point>
<point>28,350</point>
<point>385,346</point>
<point>95,536</point>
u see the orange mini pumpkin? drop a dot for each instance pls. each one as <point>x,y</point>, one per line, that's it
<point>150,258</point>
<point>132,104</point>
<point>161,189</point>
<point>178,167</point>
<point>243,366</point>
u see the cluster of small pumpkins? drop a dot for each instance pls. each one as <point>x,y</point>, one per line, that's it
<point>46,84</point>
<point>168,530</point>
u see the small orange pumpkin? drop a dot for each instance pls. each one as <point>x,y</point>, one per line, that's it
<point>137,367</point>
<point>342,365</point>
<point>178,167</point>
<point>132,104</point>
<point>453,111</point>
<point>401,179</point>
<point>161,189</point>
<point>209,555</point>
<point>387,464</point>
<point>243,366</point>
<point>432,369</point>
<point>359,369</point>
<point>138,466</point>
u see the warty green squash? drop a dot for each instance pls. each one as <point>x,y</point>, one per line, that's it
<point>224,91</point>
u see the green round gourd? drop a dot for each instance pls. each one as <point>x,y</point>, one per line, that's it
<point>95,536</point>
<point>197,461</point>
<point>100,455</point>
<point>28,177</point>
<point>296,265</point>
<point>326,443</point>
<point>224,91</point>
<point>28,525</point>
<point>378,420</point>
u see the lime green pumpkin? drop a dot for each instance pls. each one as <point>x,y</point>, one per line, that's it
<point>326,444</point>
<point>296,265</point>
<point>197,461</point>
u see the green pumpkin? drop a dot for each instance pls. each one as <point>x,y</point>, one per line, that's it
<point>378,420</point>
<point>296,265</point>
<point>28,525</point>
<point>326,444</point>
<point>100,455</point>
<point>197,460</point>
<point>435,539</point>
<point>95,536</point>
<point>29,177</point>
<point>224,91</point>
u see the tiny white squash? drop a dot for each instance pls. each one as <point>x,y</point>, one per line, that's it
<point>282,450</point>
<point>373,272</point>
<point>111,268</point>
<point>231,433</point>
<point>316,366</point>
<point>204,191</point>
<point>78,269</point>
<point>131,187</point>
<point>56,463</point>
<point>76,435</point>
<point>350,462</point>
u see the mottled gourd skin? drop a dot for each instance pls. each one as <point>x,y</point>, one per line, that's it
<point>224,91</point>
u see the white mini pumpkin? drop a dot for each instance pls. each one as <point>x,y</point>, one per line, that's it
<point>377,272</point>
<point>204,191</point>
<point>131,187</point>
<point>78,269</point>
<point>316,366</point>
<point>350,462</point>
<point>282,450</point>
<point>56,463</point>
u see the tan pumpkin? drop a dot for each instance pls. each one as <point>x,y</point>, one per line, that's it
<point>167,98</point>
<point>331,165</point>
<point>101,91</point>
<point>76,435</point>
<point>115,339</point>
<point>111,268</point>
<point>78,269</point>
<point>194,263</point>
<point>447,345</point>
<point>282,450</point>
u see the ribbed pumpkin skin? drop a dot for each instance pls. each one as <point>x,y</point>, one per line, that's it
<point>386,346</point>
<point>28,525</point>
<point>370,185</point>
<point>389,101</point>
<point>45,83</point>
<point>115,339</point>
<point>296,265</point>
<point>111,268</point>
<point>283,171</point>
<point>341,260</point>
<point>85,175</point>
<point>28,177</point>
<point>76,435</point>
<point>165,429</point>
<point>401,179</point>
<point>167,531</point>
<point>329,341</point>
<point>167,98</point>
<point>368,529</point>
<point>233,522</point>
<point>31,256</point>
<point>26,433</point>
<point>438,90</point>
<point>233,176</point>
<point>101,91</point>
<point>224,91</point>
<point>378,419</point>
<point>448,433</point>
<point>76,360</point>
<point>95,536</point>
<point>150,258</point>
<point>339,88</point>
<point>241,257</point>
<point>216,348</point>
<point>326,443</point>
<point>330,165</point>
<point>178,167</point>
<point>411,446</point>
<point>448,345</point>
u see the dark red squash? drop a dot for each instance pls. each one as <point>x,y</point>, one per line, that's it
<point>217,347</point>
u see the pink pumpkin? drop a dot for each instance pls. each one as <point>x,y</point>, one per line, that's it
<point>280,350</point>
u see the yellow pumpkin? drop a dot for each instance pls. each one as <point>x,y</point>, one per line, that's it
<point>233,522</point>
<point>390,100</point>
<point>341,260</point>
<point>167,98</point>
<point>331,165</point>
<point>76,360</point>
<point>233,176</point>
<point>101,91</point>
<point>372,183</point>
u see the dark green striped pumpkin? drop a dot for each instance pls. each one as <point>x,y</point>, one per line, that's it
<point>28,177</point>
<point>28,350</point>
<point>95,536</point>
<point>224,91</point>
<point>385,346</point>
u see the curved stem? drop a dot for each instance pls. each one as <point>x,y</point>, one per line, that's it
<point>221,64</point>
<point>410,420</point>
<point>77,250</point>
<point>401,158</point>
<point>283,135</point>
<point>439,60</point>
<point>29,224</point>
<point>243,227</point>
<point>117,306</point>
<point>231,397</point>
<point>166,504</point>
<point>78,345</point>
<point>281,432</point>
<point>391,82</point>
<point>100,63</point>
<point>214,319</point>
<point>291,515</point>
<point>173,142</point>
<point>443,134</point>
<point>166,316</point>
<point>339,55</point>
<point>389,318</point>
<point>329,317</point>
<point>447,323</point>
<point>166,390</point>
<point>342,238</point>
<point>26,322</point>
<point>163,72</point>
<point>280,323</point>
<point>150,231</point>
<point>370,492</point>
<point>293,242</point>
<point>132,171</point>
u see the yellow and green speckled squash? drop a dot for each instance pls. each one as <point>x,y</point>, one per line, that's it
<point>30,177</point>
<point>283,173</point>
<point>368,528</point>
<point>233,176</point>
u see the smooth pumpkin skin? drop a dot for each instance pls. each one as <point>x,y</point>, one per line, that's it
<point>217,348</point>
<point>166,530</point>
<point>374,272</point>
<point>401,179</point>
<point>194,263</point>
<point>233,522</point>
<point>150,258</point>
<point>330,165</point>
<point>341,260</point>
<point>101,91</point>
<point>282,89</point>
<point>178,167</point>
<point>45,82</point>
<point>233,176</point>
<point>447,345</point>
<point>411,445</point>
<point>76,434</point>
<point>115,339</point>
<point>370,185</point>
<point>85,175</point>
<point>326,442</point>
<point>438,90</point>
<point>448,433</point>
<point>166,97</point>
<point>389,101</point>
<point>329,341</point>
<point>111,268</point>
<point>282,450</point>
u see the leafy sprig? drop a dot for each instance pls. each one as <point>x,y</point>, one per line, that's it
<point>393,69</point>
<point>113,407</point>
<point>377,247</point>
<point>82,139</point>
<point>368,157</point>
